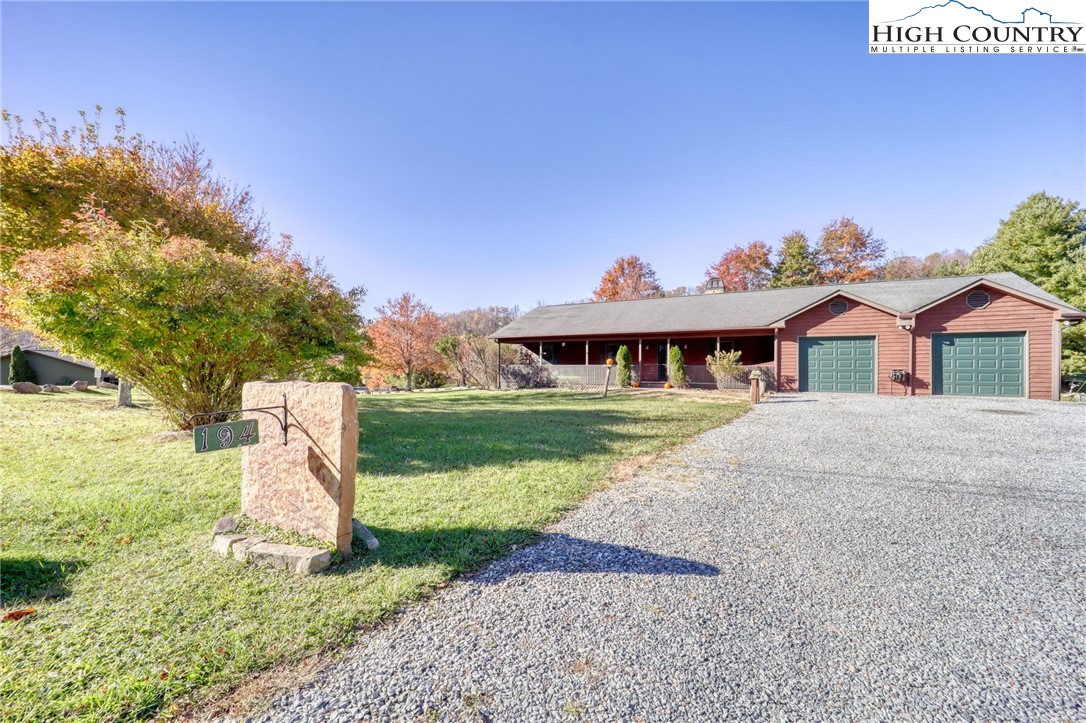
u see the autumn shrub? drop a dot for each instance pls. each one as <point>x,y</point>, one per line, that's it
<point>625,366</point>
<point>186,322</point>
<point>725,366</point>
<point>527,376</point>
<point>676,367</point>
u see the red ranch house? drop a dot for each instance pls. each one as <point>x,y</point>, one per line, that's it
<point>990,335</point>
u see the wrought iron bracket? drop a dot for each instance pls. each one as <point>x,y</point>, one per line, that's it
<point>279,412</point>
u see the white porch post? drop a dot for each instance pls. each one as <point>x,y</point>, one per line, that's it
<point>586,352</point>
<point>640,365</point>
<point>540,353</point>
<point>718,345</point>
<point>667,361</point>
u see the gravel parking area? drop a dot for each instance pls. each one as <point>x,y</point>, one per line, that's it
<point>824,557</point>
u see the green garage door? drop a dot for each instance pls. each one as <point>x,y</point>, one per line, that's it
<point>843,364</point>
<point>979,365</point>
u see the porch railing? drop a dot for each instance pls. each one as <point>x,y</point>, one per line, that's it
<point>522,376</point>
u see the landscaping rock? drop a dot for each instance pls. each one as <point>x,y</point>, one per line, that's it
<point>25,388</point>
<point>292,558</point>
<point>225,526</point>
<point>222,543</point>
<point>80,386</point>
<point>51,388</point>
<point>241,547</point>
<point>363,532</point>
<point>106,385</point>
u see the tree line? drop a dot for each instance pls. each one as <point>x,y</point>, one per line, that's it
<point>845,253</point>
<point>415,347</point>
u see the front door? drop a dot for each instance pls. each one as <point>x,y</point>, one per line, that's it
<point>661,361</point>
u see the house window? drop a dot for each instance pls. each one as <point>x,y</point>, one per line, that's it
<point>838,307</point>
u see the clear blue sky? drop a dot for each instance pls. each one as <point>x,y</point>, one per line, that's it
<point>500,153</point>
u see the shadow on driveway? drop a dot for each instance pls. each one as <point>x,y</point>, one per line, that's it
<point>563,553</point>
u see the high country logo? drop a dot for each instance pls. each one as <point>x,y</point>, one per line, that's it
<point>978,26</point>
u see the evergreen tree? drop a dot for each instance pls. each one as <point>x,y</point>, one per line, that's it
<point>1044,241</point>
<point>624,361</point>
<point>1037,242</point>
<point>796,264</point>
<point>21,371</point>
<point>676,367</point>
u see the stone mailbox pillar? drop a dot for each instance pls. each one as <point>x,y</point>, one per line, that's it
<point>306,485</point>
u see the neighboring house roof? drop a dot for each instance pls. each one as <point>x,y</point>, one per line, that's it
<point>58,355</point>
<point>11,338</point>
<point>752,309</point>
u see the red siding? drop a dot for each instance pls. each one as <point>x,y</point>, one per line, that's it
<point>891,343</point>
<point>1004,313</point>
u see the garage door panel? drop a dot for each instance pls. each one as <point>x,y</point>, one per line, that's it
<point>980,364</point>
<point>838,364</point>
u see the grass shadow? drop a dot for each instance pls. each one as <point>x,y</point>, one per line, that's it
<point>26,580</point>
<point>456,549</point>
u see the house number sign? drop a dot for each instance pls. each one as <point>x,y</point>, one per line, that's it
<point>225,435</point>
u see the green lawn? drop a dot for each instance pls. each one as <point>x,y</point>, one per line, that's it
<point>105,530</point>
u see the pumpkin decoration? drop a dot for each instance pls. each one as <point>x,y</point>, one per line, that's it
<point>637,385</point>
<point>667,385</point>
<point>610,362</point>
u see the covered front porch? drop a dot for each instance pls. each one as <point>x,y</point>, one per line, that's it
<point>552,362</point>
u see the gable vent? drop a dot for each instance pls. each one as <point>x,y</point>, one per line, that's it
<point>838,307</point>
<point>978,299</point>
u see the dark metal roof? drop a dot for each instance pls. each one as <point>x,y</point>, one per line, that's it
<point>744,309</point>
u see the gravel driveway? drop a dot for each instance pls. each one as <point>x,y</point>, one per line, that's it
<point>829,557</point>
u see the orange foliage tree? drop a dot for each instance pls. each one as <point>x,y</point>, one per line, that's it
<point>848,253</point>
<point>405,335</point>
<point>628,278</point>
<point>744,267</point>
